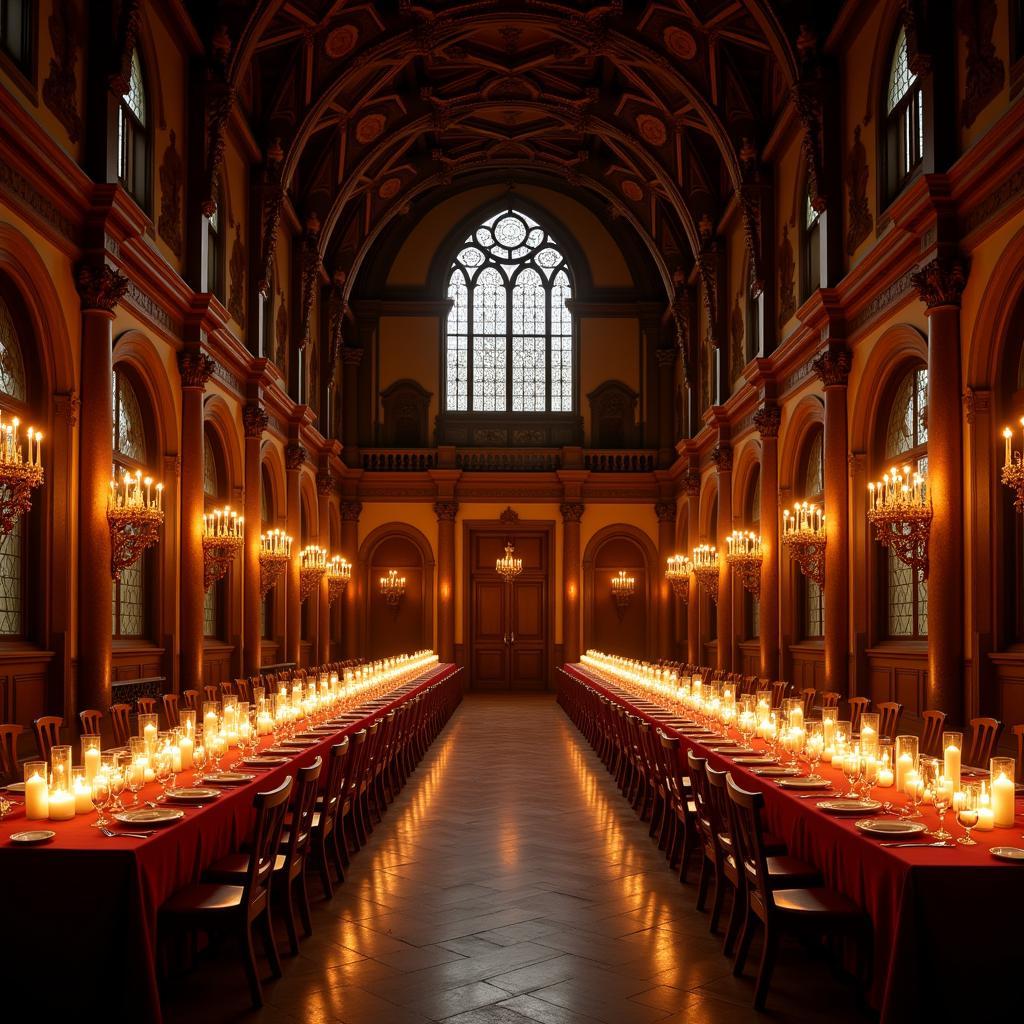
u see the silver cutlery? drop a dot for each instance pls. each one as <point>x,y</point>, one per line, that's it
<point>923,846</point>
<point>817,795</point>
<point>110,834</point>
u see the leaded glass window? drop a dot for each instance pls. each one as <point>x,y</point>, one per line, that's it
<point>129,429</point>
<point>509,334</point>
<point>130,601</point>
<point>210,486</point>
<point>904,110</point>
<point>210,612</point>
<point>812,248</point>
<point>814,488</point>
<point>132,135</point>
<point>12,366</point>
<point>11,575</point>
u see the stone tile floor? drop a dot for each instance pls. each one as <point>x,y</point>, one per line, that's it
<point>511,883</point>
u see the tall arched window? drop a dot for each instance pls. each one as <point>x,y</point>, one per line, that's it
<point>215,249</point>
<point>752,604</point>
<point>133,136</point>
<point>131,453</point>
<point>812,597</point>
<point>509,337</point>
<point>811,249</point>
<point>905,443</point>
<point>904,120</point>
<point>266,523</point>
<point>13,402</point>
<point>212,493</point>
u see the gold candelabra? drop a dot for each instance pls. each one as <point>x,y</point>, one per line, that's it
<point>706,566</point>
<point>1013,469</point>
<point>677,572</point>
<point>275,551</point>
<point>803,535</point>
<point>392,588</point>
<point>339,572</point>
<point>900,509</point>
<point>20,472</point>
<point>312,566</point>
<point>222,539</point>
<point>745,556</point>
<point>135,513</point>
<point>623,588</point>
<point>508,566</point>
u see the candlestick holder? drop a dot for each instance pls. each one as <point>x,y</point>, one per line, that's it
<point>900,510</point>
<point>1013,470</point>
<point>706,566</point>
<point>135,514</point>
<point>745,557</point>
<point>339,572</point>
<point>312,566</point>
<point>803,536</point>
<point>392,588</point>
<point>275,551</point>
<point>677,571</point>
<point>222,539</point>
<point>20,474</point>
<point>623,588</point>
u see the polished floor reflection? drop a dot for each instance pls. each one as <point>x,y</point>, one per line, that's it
<point>511,883</point>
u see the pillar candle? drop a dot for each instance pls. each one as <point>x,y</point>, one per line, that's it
<point>1002,801</point>
<point>210,723</point>
<point>175,759</point>
<point>796,718</point>
<point>185,747</point>
<point>36,798</point>
<point>951,761</point>
<point>904,764</point>
<point>61,805</point>
<point>828,730</point>
<point>83,797</point>
<point>91,760</point>
<point>149,734</point>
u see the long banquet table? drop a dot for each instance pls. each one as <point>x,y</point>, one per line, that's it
<point>78,916</point>
<point>947,922</point>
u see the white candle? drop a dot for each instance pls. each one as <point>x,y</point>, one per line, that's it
<point>92,763</point>
<point>36,798</point>
<point>185,747</point>
<point>175,759</point>
<point>951,760</point>
<point>264,724</point>
<point>904,764</point>
<point>885,779</point>
<point>210,722</point>
<point>149,734</point>
<point>796,718</point>
<point>61,805</point>
<point>828,730</point>
<point>1002,801</point>
<point>83,797</point>
<point>138,770</point>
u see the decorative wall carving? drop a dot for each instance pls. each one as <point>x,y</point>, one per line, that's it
<point>236,279</point>
<point>272,202</point>
<point>613,406</point>
<point>279,346</point>
<point>351,511</point>
<point>940,283</point>
<point>310,271</point>
<point>196,368</point>
<point>860,220</point>
<point>446,511</point>
<point>833,366</point>
<point>509,517</point>
<point>665,511</point>
<point>60,90</point>
<point>406,411</point>
<point>127,23</point>
<point>172,176</point>
<point>220,98</point>
<point>325,481</point>
<point>721,456</point>
<point>787,279</point>
<point>294,456</point>
<point>572,511</point>
<point>809,100</point>
<point>690,483</point>
<point>737,331</point>
<point>100,286</point>
<point>985,71</point>
<point>767,419</point>
<point>254,420</point>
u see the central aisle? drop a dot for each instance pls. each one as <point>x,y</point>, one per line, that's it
<point>511,883</point>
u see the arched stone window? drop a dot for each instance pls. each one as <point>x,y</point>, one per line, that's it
<point>811,263</point>
<point>904,120</point>
<point>13,402</point>
<point>133,136</point>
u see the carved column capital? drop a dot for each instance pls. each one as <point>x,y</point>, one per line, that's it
<point>446,511</point>
<point>833,367</point>
<point>977,401</point>
<point>351,356</point>
<point>940,283</point>
<point>691,483</point>
<point>722,457</point>
<point>665,511</point>
<point>195,367</point>
<point>100,286</point>
<point>294,456</point>
<point>767,420</point>
<point>254,420</point>
<point>66,405</point>
<point>351,511</point>
<point>572,511</point>
<point>666,358</point>
<point>325,482</point>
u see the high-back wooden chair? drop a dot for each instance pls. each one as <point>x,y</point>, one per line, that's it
<point>807,695</point>
<point>830,700</point>
<point>931,733</point>
<point>984,737</point>
<point>327,841</point>
<point>858,705</point>
<point>779,688</point>
<point>9,766</point>
<point>1018,733</point>
<point>211,694</point>
<point>227,689</point>
<point>92,722</point>
<point>890,712</point>
<point>146,706</point>
<point>47,730</point>
<point>697,767</point>
<point>190,699</point>
<point>243,690</point>
<point>120,717</point>
<point>171,710</point>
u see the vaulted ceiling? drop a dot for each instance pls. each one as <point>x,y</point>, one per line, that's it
<point>658,110</point>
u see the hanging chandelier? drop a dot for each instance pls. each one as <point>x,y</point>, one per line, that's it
<point>1013,469</point>
<point>706,566</point>
<point>20,472</point>
<point>135,513</point>
<point>745,557</point>
<point>677,572</point>
<point>803,535</point>
<point>222,538</point>
<point>392,588</point>
<point>275,551</point>
<point>339,572</point>
<point>508,566</point>
<point>900,509</point>
<point>623,588</point>
<point>312,566</point>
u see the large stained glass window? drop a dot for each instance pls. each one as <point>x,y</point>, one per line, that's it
<point>13,386</point>
<point>509,338</point>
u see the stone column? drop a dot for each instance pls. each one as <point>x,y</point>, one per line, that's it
<point>833,369</point>
<point>254,421</point>
<point>666,513</point>
<point>351,357</point>
<point>294,457</point>
<point>446,512</point>
<point>324,490</point>
<point>350,513</point>
<point>666,360</point>
<point>196,369</point>
<point>940,286</point>
<point>722,457</point>
<point>767,419</point>
<point>572,514</point>
<point>100,288</point>
<point>691,488</point>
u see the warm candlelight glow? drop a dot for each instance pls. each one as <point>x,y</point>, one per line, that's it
<point>392,587</point>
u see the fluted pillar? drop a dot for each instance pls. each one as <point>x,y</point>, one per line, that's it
<point>351,357</point>
<point>446,512</point>
<point>722,457</point>
<point>350,513</point>
<point>767,419</point>
<point>691,488</point>
<point>100,288</point>
<point>666,513</point>
<point>833,369</point>
<point>294,457</point>
<point>254,422</point>
<point>324,490</point>
<point>940,286</point>
<point>572,514</point>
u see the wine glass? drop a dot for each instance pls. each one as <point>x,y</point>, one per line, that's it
<point>135,779</point>
<point>913,786</point>
<point>117,784</point>
<point>198,758</point>
<point>966,803</point>
<point>164,772</point>
<point>100,793</point>
<point>851,769</point>
<point>813,748</point>
<point>943,798</point>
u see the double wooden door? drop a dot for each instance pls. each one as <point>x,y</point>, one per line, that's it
<point>509,623</point>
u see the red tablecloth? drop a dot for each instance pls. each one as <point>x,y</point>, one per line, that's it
<point>939,915</point>
<point>84,896</point>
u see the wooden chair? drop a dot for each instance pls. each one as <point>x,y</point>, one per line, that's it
<point>829,700</point>
<point>171,710</point>
<point>121,717</point>
<point>191,699</point>
<point>984,737</point>
<point>227,689</point>
<point>931,734</point>
<point>858,705</point>
<point>682,837</point>
<point>814,911</point>
<point>92,722</point>
<point>47,729</point>
<point>10,769</point>
<point>890,712</point>
<point>211,694</point>
<point>779,688</point>
<point>289,873</point>
<point>327,840</point>
<point>146,706</point>
<point>808,696</point>
<point>218,908</point>
<point>243,690</point>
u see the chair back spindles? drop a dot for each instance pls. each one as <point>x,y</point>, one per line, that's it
<point>243,690</point>
<point>829,700</point>
<point>858,705</point>
<point>303,805</point>
<point>270,812</point>
<point>211,694</point>
<point>146,706</point>
<point>931,733</point>
<point>748,841</point>
<point>47,729</point>
<point>890,712</point>
<point>191,699</point>
<point>984,737</point>
<point>9,768</point>
<point>120,717</point>
<point>92,721</point>
<point>171,710</point>
<point>808,696</point>
<point>779,689</point>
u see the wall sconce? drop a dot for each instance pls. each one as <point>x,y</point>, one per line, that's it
<point>623,589</point>
<point>392,588</point>
<point>901,512</point>
<point>275,551</point>
<point>1013,469</point>
<point>677,572</point>
<point>222,537</point>
<point>706,566</point>
<point>803,535</point>
<point>135,513</point>
<point>312,566</point>
<point>339,572</point>
<point>18,475</point>
<point>745,557</point>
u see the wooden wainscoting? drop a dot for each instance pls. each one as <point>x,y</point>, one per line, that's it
<point>750,657</point>
<point>808,660</point>
<point>900,672</point>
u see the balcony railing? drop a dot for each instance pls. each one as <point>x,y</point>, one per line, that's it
<point>509,460</point>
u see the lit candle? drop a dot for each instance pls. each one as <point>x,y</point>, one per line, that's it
<point>828,730</point>
<point>986,819</point>
<point>1002,801</point>
<point>83,796</point>
<point>904,764</point>
<point>91,759</point>
<point>36,798</point>
<point>61,805</point>
<point>185,747</point>
<point>951,761</point>
<point>149,734</point>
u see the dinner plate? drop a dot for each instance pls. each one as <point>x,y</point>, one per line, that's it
<point>15,787</point>
<point>229,778</point>
<point>730,750</point>
<point>776,771</point>
<point>33,836</point>
<point>849,806</point>
<point>283,751</point>
<point>263,762</point>
<point>886,828</point>
<point>1014,853</point>
<point>149,816</point>
<point>805,783</point>
<point>299,743</point>
<point>192,794</point>
<point>755,762</point>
